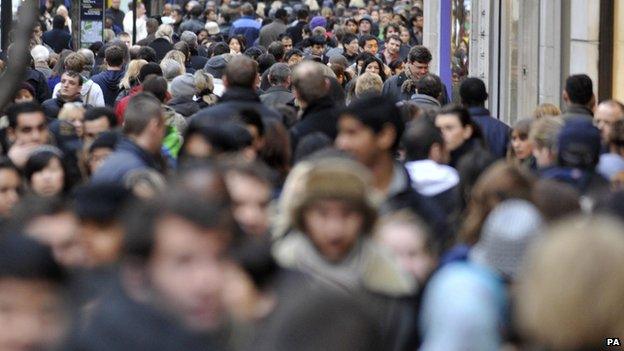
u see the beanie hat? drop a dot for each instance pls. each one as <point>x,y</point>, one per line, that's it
<point>318,21</point>
<point>507,233</point>
<point>101,202</point>
<point>337,179</point>
<point>212,28</point>
<point>183,86</point>
<point>578,144</point>
<point>367,18</point>
<point>216,66</point>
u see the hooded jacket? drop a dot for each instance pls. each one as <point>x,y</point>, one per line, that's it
<point>184,105</point>
<point>90,93</point>
<point>425,101</point>
<point>109,83</point>
<point>127,157</point>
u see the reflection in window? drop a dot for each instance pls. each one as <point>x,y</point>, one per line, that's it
<point>460,43</point>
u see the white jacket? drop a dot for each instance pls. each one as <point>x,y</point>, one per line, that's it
<point>141,26</point>
<point>431,178</point>
<point>91,93</point>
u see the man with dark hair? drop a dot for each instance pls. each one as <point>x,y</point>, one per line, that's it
<point>365,25</point>
<point>368,43</point>
<point>428,91</point>
<point>193,24</point>
<point>240,81</point>
<point>296,31</point>
<point>271,32</point>
<point>144,130</point>
<point>279,92</point>
<point>71,85</point>
<point>401,87</point>
<point>370,129</point>
<point>58,38</point>
<point>170,286</point>
<point>35,314</point>
<point>276,49</point>
<point>496,133</point>
<point>246,25</point>
<point>109,80</point>
<point>287,41</point>
<point>392,49</point>
<point>311,88</point>
<point>579,97</point>
<point>350,47</point>
<point>27,130</point>
<point>98,120</point>
<point>426,155</point>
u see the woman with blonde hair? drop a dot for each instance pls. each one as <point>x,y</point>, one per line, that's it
<point>131,78</point>
<point>546,110</point>
<point>73,112</point>
<point>177,56</point>
<point>368,84</point>
<point>204,86</point>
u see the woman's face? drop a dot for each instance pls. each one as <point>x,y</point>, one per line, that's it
<point>23,95</point>
<point>203,35</point>
<point>235,46</point>
<point>521,145</point>
<point>352,27</point>
<point>76,118</point>
<point>453,132</point>
<point>373,67</point>
<point>391,31</point>
<point>405,36</point>
<point>50,180</point>
<point>399,69</point>
<point>97,157</point>
<point>10,184</point>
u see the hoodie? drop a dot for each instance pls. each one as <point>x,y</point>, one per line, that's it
<point>430,178</point>
<point>90,93</point>
<point>109,83</point>
<point>425,101</point>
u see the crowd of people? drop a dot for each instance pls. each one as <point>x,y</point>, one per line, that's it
<point>290,176</point>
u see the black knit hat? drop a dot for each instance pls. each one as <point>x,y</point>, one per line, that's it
<point>101,202</point>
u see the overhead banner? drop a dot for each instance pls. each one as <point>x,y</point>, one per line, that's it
<point>91,22</point>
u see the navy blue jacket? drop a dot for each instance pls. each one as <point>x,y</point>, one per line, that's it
<point>495,132</point>
<point>127,157</point>
<point>109,82</point>
<point>319,116</point>
<point>58,39</point>
<point>233,101</point>
<point>248,27</point>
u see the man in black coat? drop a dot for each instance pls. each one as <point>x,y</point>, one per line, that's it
<point>496,133</point>
<point>240,78</point>
<point>311,88</point>
<point>58,38</point>
<point>279,92</point>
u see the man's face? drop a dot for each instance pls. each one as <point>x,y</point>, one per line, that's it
<point>95,127</point>
<point>318,49</point>
<point>166,10</point>
<point>251,198</point>
<point>365,27</point>
<point>288,44</point>
<point>32,315</point>
<point>453,132</point>
<point>70,87</point>
<point>97,157</point>
<point>115,4</point>
<point>176,16</point>
<point>334,227</point>
<point>393,46</point>
<point>358,140</point>
<point>391,31</point>
<point>294,60</point>
<point>186,271</point>
<point>371,46</point>
<point>605,117</point>
<point>418,69</point>
<point>60,233</point>
<point>102,242</point>
<point>140,10</point>
<point>10,189</point>
<point>31,128</point>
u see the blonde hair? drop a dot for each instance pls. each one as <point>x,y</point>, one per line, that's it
<point>570,292</point>
<point>544,132</point>
<point>132,73</point>
<point>69,109</point>
<point>368,83</point>
<point>178,56</point>
<point>164,31</point>
<point>546,110</point>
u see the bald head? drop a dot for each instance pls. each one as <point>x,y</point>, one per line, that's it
<point>606,114</point>
<point>309,82</point>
